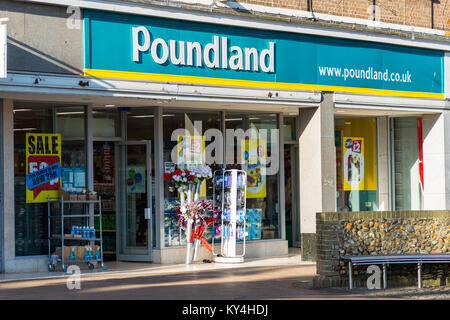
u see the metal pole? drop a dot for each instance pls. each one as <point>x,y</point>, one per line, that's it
<point>189,244</point>
<point>419,275</point>
<point>350,275</point>
<point>384,277</point>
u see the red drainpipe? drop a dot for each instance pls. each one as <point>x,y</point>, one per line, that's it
<point>420,145</point>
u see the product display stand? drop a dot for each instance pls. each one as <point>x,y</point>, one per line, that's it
<point>230,188</point>
<point>52,260</point>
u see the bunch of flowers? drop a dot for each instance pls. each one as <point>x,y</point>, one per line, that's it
<point>201,212</point>
<point>180,177</point>
<point>201,172</point>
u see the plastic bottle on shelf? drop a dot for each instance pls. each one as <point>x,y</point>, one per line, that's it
<point>72,254</point>
<point>98,254</point>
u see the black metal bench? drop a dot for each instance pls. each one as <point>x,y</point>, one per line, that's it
<point>418,259</point>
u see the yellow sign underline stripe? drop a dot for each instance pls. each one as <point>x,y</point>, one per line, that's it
<point>253,84</point>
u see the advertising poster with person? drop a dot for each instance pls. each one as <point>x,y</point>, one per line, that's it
<point>353,163</point>
<point>43,171</point>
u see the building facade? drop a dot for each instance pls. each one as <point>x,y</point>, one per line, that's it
<point>349,105</point>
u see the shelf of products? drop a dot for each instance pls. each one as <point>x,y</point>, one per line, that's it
<point>229,189</point>
<point>80,231</point>
<point>104,185</point>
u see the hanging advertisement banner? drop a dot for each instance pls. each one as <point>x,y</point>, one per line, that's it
<point>353,163</point>
<point>43,167</point>
<point>253,157</point>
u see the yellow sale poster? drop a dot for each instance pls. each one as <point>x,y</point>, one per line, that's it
<point>253,155</point>
<point>43,167</point>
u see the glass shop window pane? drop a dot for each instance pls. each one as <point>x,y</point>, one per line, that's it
<point>356,164</point>
<point>263,212</point>
<point>30,219</point>
<point>31,225</point>
<point>70,122</point>
<point>105,122</point>
<point>196,123</point>
<point>289,129</point>
<point>405,146</point>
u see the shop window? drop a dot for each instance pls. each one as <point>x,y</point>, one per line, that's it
<point>195,124</point>
<point>31,225</point>
<point>356,164</point>
<point>70,122</point>
<point>289,129</point>
<point>405,150</point>
<point>105,123</point>
<point>262,189</point>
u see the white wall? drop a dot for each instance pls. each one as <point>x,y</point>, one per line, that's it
<point>436,158</point>
<point>317,163</point>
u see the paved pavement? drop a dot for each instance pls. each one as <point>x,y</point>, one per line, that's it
<point>276,278</point>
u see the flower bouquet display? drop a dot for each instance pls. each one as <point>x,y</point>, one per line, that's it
<point>192,214</point>
<point>199,214</point>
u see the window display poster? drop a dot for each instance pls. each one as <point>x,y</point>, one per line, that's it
<point>253,156</point>
<point>191,150</point>
<point>43,167</point>
<point>357,165</point>
<point>73,177</point>
<point>136,179</point>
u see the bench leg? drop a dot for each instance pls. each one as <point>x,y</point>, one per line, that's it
<point>419,275</point>
<point>350,275</point>
<point>384,277</point>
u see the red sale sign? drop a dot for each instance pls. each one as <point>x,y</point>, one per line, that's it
<point>356,147</point>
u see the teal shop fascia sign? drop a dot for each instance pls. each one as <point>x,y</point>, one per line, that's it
<point>155,49</point>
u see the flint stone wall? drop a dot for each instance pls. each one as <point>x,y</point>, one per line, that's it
<point>381,233</point>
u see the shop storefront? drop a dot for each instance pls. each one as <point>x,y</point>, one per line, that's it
<point>348,125</point>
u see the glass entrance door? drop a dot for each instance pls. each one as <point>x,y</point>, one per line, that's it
<point>135,194</point>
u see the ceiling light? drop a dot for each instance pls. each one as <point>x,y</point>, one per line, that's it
<point>25,129</point>
<point>69,113</point>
